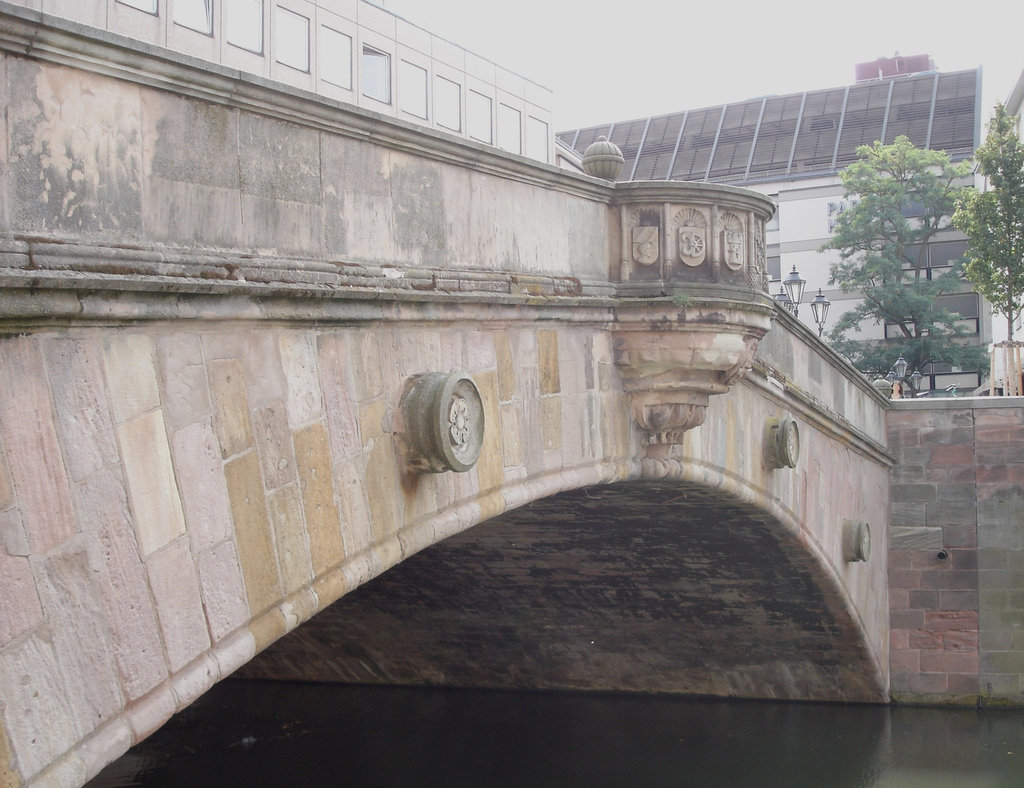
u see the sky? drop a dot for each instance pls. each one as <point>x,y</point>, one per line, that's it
<point>617,61</point>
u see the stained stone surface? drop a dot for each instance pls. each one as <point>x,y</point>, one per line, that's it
<point>656,587</point>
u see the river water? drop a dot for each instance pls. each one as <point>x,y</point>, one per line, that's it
<point>258,734</point>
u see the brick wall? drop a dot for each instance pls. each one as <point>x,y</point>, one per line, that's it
<point>956,551</point>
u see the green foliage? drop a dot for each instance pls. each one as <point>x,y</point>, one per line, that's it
<point>993,220</point>
<point>883,258</point>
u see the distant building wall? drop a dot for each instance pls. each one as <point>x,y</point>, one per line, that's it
<point>956,551</point>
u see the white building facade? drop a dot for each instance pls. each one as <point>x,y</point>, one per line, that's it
<point>349,50</point>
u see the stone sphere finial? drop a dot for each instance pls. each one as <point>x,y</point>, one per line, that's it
<point>603,159</point>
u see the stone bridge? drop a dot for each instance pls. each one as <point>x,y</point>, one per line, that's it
<point>258,348</point>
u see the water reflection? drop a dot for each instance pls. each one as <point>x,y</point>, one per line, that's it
<point>270,734</point>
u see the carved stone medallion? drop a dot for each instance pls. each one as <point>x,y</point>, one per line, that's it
<point>692,237</point>
<point>732,241</point>
<point>443,422</point>
<point>645,245</point>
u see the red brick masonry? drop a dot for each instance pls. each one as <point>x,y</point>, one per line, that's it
<point>956,551</point>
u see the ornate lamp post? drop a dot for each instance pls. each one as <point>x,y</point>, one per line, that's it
<point>898,374</point>
<point>795,290</point>
<point>782,297</point>
<point>819,308</point>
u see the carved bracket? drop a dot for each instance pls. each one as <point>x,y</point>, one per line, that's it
<point>675,360</point>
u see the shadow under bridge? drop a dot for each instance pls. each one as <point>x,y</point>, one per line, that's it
<point>639,586</point>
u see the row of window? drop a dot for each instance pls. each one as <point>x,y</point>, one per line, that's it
<point>243,28</point>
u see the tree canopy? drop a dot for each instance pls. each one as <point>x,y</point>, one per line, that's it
<point>993,220</point>
<point>902,198</point>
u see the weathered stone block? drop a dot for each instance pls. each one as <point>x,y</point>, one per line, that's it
<point>338,400</point>
<point>316,479</point>
<point>88,181</point>
<point>37,697</point>
<point>20,610</point>
<point>382,473</point>
<point>183,373</point>
<point>912,493</point>
<point>79,634</point>
<point>204,495</point>
<point>80,401</point>
<point>34,458</point>
<point>286,516</point>
<point>122,584</point>
<point>547,362</point>
<point>911,538</point>
<point>223,589</point>
<point>175,585</point>
<point>130,365</point>
<point>273,440</point>
<point>230,407</point>
<point>152,488</point>
<point>252,532</point>
<point>304,400</point>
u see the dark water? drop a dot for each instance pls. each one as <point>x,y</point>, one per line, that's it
<point>286,734</point>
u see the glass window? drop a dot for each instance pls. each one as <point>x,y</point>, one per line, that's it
<point>243,24</point>
<point>510,130</point>
<point>335,58</point>
<point>774,265</point>
<point>448,104</point>
<point>291,39</point>
<point>376,76</point>
<point>194,14</point>
<point>478,112</point>
<point>536,139</point>
<point>143,5</point>
<point>946,252</point>
<point>412,89</point>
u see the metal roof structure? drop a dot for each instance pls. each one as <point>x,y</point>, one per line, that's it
<point>814,133</point>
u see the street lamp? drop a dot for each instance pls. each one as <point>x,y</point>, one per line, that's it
<point>819,308</point>
<point>898,374</point>
<point>795,289</point>
<point>784,300</point>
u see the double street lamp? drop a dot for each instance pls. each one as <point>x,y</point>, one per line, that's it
<point>898,374</point>
<point>791,293</point>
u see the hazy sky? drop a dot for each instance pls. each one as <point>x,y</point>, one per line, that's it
<point>634,58</point>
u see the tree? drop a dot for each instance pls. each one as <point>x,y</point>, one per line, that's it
<point>993,220</point>
<point>902,196</point>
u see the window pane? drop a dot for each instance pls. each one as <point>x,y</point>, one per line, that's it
<point>243,24</point>
<point>291,39</point>
<point>194,14</point>
<point>478,110</point>
<point>376,76</point>
<point>412,89</point>
<point>510,132</point>
<point>947,252</point>
<point>536,139</point>
<point>142,5</point>
<point>335,58</point>
<point>448,104</point>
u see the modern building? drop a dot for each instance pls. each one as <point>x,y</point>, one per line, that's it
<point>792,147</point>
<point>349,50</point>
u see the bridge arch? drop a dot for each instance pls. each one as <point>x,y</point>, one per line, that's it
<point>656,583</point>
<point>200,449</point>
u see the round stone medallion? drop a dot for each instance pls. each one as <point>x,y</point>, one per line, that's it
<point>444,422</point>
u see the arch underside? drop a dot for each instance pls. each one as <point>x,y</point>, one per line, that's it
<point>639,586</point>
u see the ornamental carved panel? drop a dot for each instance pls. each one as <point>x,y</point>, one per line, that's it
<point>692,236</point>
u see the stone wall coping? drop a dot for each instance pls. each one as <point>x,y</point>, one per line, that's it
<point>958,403</point>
